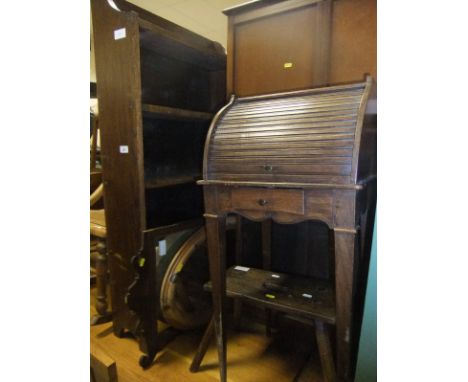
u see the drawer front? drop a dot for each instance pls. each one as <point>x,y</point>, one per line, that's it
<point>262,199</point>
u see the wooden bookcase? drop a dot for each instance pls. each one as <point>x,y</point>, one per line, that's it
<point>158,86</point>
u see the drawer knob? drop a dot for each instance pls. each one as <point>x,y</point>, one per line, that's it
<point>263,202</point>
<point>268,167</point>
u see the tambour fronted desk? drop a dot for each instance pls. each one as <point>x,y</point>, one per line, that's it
<point>292,157</point>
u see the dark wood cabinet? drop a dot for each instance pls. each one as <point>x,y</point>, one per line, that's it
<point>158,86</point>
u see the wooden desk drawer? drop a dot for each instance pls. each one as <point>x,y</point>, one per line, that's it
<point>264,199</point>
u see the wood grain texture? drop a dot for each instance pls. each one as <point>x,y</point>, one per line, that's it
<point>216,240</point>
<point>98,223</point>
<point>353,40</point>
<point>326,41</point>
<point>119,98</point>
<point>328,151</point>
<point>103,367</point>
<point>325,349</point>
<point>293,137</point>
<point>263,8</point>
<point>322,35</point>
<point>158,87</point>
<point>189,38</point>
<point>344,283</point>
<point>289,201</point>
<point>175,113</point>
<point>282,292</point>
<point>159,38</point>
<point>252,355</point>
<point>263,47</point>
<point>282,183</point>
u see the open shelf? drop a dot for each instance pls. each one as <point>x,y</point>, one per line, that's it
<point>303,296</point>
<point>167,112</point>
<point>206,54</point>
<point>167,181</point>
<point>173,203</point>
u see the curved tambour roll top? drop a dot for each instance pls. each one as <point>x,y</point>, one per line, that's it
<point>310,136</point>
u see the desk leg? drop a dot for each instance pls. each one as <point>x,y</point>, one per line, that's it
<point>216,239</point>
<point>266,262</point>
<point>344,271</point>
<point>325,351</point>
<point>239,260</point>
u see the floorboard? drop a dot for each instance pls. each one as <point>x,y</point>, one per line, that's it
<point>252,356</point>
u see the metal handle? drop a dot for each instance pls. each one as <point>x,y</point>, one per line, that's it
<point>263,202</point>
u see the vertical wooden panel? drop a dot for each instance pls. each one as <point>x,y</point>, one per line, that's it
<point>344,270</point>
<point>322,42</point>
<point>216,241</point>
<point>230,59</point>
<point>119,95</point>
<point>275,53</point>
<point>326,42</point>
<point>354,40</point>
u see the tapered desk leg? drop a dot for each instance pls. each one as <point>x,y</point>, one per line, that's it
<point>266,262</point>
<point>344,271</point>
<point>239,258</point>
<point>215,233</point>
<point>325,351</point>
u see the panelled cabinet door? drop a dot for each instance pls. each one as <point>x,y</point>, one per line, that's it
<point>298,44</point>
<point>271,56</point>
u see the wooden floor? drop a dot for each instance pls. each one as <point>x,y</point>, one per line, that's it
<point>252,356</point>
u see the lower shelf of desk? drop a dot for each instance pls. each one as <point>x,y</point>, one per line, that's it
<point>302,296</point>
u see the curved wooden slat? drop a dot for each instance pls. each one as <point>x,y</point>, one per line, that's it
<point>306,137</point>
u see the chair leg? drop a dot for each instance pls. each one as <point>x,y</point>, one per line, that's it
<point>101,285</point>
<point>203,347</point>
<point>325,351</point>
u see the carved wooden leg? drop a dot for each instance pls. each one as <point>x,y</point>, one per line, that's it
<point>150,341</point>
<point>101,286</point>
<point>140,299</point>
<point>325,351</point>
<point>203,347</point>
<point>215,234</point>
<point>344,271</point>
